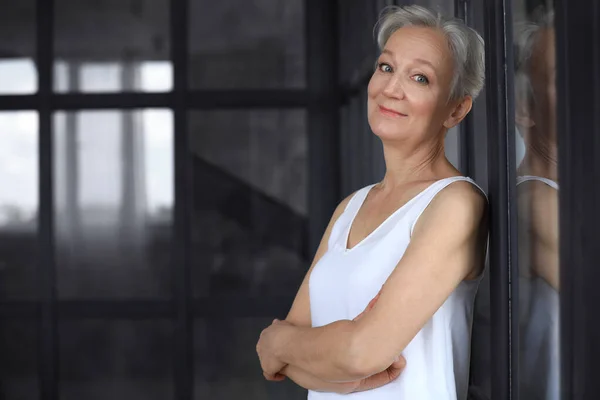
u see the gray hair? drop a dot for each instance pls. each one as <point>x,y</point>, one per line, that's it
<point>465,43</point>
<point>526,35</point>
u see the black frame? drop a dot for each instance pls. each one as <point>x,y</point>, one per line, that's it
<point>463,10</point>
<point>320,98</point>
<point>184,326</point>
<point>48,326</point>
<point>503,268</point>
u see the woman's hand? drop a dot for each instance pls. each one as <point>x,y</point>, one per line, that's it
<point>383,377</point>
<point>266,350</point>
<point>369,307</point>
<point>269,364</point>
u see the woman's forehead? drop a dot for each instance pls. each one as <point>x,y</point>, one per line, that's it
<point>419,42</point>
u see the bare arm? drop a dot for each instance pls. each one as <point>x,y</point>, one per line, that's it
<point>446,248</point>
<point>299,315</point>
<point>311,382</point>
<point>538,222</point>
<point>544,219</point>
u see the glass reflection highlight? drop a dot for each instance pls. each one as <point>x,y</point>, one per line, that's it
<point>537,191</point>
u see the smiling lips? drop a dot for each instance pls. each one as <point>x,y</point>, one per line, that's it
<point>390,113</point>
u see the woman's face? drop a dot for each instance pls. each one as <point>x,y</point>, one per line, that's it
<point>408,95</point>
<point>543,81</point>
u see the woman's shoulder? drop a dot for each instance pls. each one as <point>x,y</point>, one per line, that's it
<point>459,208</point>
<point>462,194</point>
<point>461,198</point>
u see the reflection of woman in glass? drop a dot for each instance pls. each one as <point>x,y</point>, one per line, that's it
<point>538,210</point>
<point>421,231</point>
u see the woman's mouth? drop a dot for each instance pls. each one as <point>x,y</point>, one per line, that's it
<point>390,113</point>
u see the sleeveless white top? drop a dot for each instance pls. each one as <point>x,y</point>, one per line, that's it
<point>529,178</point>
<point>344,281</point>
<point>539,367</point>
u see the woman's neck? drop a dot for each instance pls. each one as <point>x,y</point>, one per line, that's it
<point>424,162</point>
<point>540,160</point>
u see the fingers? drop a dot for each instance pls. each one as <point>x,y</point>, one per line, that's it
<point>383,378</point>
<point>368,308</point>
<point>280,322</point>
<point>399,363</point>
<point>396,368</point>
<point>359,316</point>
<point>373,382</point>
<point>374,300</point>
<point>274,378</point>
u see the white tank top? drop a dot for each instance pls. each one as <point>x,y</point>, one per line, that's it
<point>529,178</point>
<point>539,306</point>
<point>345,280</point>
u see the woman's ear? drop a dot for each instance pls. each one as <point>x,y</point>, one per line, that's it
<point>459,112</point>
<point>523,117</point>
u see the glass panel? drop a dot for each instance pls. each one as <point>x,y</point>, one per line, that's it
<point>18,203</point>
<point>443,6</point>
<point>358,51</point>
<point>249,216</point>
<point>113,203</point>
<point>226,365</point>
<point>248,237</point>
<point>112,46</point>
<point>118,360</point>
<point>537,191</point>
<point>246,44</point>
<point>18,73</point>
<point>18,352</point>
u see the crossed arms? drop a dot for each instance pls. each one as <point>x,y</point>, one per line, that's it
<point>446,248</point>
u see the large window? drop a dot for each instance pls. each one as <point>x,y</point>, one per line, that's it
<point>154,211</point>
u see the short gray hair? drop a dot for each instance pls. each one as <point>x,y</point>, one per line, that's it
<point>465,43</point>
<point>526,36</point>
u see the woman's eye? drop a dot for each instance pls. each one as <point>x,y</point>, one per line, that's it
<point>383,67</point>
<point>421,79</point>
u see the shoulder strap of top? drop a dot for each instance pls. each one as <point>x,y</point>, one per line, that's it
<point>434,189</point>
<point>357,200</point>
<point>348,215</point>
<point>528,178</point>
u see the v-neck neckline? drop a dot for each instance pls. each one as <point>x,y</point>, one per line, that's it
<point>379,227</point>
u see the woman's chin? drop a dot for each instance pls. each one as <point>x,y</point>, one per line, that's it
<point>387,134</point>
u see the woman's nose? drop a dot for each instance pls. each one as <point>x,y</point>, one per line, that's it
<point>394,88</point>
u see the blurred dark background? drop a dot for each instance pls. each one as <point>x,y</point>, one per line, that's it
<point>167,168</point>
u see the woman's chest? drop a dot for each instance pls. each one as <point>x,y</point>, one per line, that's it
<point>343,282</point>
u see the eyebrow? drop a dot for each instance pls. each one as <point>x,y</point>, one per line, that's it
<point>421,61</point>
<point>417,60</point>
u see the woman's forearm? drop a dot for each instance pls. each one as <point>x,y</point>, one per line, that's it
<point>325,352</point>
<point>310,382</point>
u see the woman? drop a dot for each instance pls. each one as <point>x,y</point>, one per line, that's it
<point>421,231</point>
<point>537,194</point>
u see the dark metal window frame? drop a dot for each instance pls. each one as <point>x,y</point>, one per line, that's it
<point>319,98</point>
<point>463,10</point>
<point>503,268</point>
